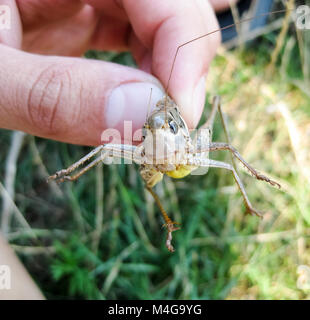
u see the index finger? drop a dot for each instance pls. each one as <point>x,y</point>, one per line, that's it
<point>162,26</point>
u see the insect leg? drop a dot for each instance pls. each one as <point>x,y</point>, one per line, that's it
<point>169,224</point>
<point>215,107</point>
<point>82,171</point>
<point>75,165</point>
<point>215,146</point>
<point>115,150</point>
<point>224,165</point>
<point>203,135</point>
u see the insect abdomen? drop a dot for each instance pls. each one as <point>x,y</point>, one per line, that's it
<point>180,172</point>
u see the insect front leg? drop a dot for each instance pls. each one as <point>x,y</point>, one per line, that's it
<point>64,172</point>
<point>114,150</point>
<point>82,171</point>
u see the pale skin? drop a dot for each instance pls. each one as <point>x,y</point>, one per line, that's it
<point>49,36</point>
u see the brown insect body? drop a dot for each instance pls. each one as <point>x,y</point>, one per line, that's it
<point>166,144</point>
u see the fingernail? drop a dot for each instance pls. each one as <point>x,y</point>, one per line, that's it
<point>130,102</point>
<point>198,101</point>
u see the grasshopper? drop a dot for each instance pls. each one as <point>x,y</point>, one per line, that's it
<point>180,153</point>
<point>165,125</point>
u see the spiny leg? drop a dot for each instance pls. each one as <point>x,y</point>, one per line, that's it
<point>216,107</point>
<point>205,145</point>
<point>65,172</point>
<point>203,135</point>
<point>115,150</point>
<point>209,124</point>
<point>169,224</point>
<point>215,146</point>
<point>88,167</point>
<point>82,171</point>
<point>224,165</point>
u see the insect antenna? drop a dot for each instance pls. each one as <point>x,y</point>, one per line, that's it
<point>149,105</point>
<point>215,31</point>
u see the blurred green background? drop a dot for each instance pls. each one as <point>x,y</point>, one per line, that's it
<point>101,237</point>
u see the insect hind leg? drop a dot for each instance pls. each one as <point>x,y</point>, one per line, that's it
<point>216,105</point>
<point>219,164</point>
<point>215,146</point>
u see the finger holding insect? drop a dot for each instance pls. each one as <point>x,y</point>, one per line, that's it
<point>71,99</point>
<point>161,30</point>
<point>159,27</point>
<point>13,36</point>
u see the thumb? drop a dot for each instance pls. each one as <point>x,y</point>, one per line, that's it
<point>72,99</point>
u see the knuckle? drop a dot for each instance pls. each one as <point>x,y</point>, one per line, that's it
<point>46,98</point>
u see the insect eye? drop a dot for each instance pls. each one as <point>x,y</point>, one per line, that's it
<point>144,132</point>
<point>173,127</point>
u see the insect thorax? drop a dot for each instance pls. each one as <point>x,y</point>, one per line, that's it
<point>166,143</point>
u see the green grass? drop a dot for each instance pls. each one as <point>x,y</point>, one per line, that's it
<point>101,237</point>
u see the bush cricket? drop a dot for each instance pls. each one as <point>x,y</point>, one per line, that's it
<point>180,153</point>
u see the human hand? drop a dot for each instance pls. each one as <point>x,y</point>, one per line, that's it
<point>46,90</point>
